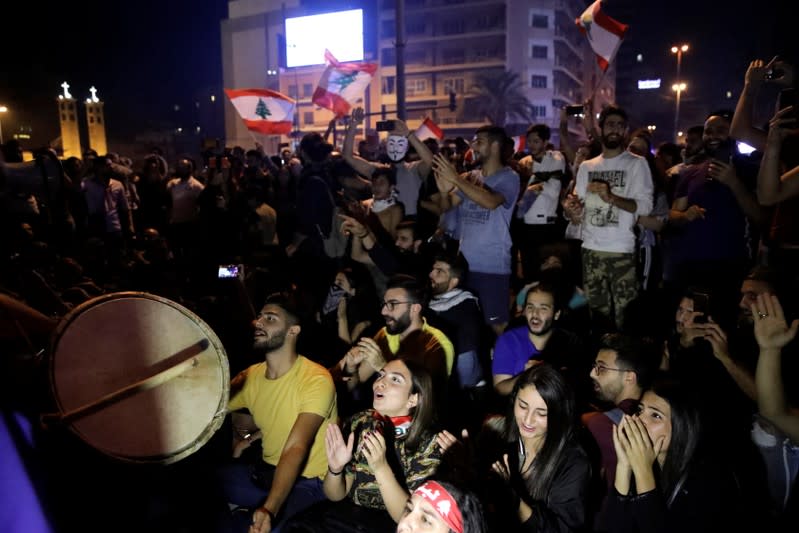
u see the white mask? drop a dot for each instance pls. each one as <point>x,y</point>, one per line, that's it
<point>396,147</point>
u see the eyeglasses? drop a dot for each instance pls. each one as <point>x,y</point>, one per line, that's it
<point>391,304</point>
<point>601,369</point>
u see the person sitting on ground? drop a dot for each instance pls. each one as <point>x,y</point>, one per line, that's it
<point>396,451</point>
<point>662,481</point>
<point>545,472</point>
<point>440,507</point>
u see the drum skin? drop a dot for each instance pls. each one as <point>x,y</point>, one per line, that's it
<point>116,340</point>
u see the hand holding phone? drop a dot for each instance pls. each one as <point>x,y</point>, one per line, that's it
<point>701,305</point>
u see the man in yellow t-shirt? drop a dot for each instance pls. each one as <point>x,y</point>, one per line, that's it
<point>291,401</point>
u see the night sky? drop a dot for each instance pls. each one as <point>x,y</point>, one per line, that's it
<point>144,56</point>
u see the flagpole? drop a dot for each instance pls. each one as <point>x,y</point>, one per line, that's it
<point>598,83</point>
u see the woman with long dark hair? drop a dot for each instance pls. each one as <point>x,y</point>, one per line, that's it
<point>396,452</point>
<point>661,482</point>
<point>544,466</point>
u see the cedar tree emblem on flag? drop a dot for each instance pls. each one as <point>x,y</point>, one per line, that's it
<point>263,111</point>
<point>342,84</point>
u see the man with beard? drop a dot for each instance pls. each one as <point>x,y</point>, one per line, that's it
<point>624,367</point>
<point>484,199</point>
<point>611,191</point>
<point>457,312</point>
<point>711,214</point>
<point>538,341</point>
<point>290,400</point>
<point>410,175</point>
<point>406,334</point>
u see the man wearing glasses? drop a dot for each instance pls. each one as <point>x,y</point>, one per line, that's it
<point>406,334</point>
<point>624,367</point>
<point>611,191</point>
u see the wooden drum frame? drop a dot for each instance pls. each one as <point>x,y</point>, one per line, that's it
<point>138,377</point>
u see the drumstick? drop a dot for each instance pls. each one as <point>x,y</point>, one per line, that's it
<point>187,360</point>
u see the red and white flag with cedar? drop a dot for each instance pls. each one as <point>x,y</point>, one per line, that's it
<point>603,32</point>
<point>342,84</point>
<point>429,129</point>
<point>263,111</point>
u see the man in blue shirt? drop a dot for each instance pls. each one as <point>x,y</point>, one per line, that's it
<point>538,341</point>
<point>485,199</point>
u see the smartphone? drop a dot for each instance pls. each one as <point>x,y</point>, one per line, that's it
<point>575,110</point>
<point>773,73</point>
<point>385,125</point>
<point>230,271</point>
<point>701,305</point>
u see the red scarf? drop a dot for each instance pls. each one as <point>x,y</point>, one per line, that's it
<point>401,424</point>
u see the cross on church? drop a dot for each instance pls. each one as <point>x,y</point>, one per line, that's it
<point>94,94</point>
<point>65,85</point>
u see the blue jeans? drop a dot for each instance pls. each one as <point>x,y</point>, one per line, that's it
<point>246,486</point>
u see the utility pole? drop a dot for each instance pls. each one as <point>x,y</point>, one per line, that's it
<point>399,50</point>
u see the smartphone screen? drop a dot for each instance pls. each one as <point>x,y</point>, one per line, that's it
<point>228,271</point>
<point>701,305</point>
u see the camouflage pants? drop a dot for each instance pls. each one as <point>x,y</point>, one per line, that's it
<point>610,284</point>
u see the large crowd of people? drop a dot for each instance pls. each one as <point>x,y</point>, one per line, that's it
<point>433,335</point>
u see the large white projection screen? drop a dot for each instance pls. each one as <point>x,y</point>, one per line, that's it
<point>308,37</point>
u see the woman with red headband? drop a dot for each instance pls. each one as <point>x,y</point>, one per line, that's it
<point>440,507</point>
<point>396,452</point>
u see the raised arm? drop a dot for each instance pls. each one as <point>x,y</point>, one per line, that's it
<point>771,187</point>
<point>741,127</point>
<point>361,165</point>
<point>448,176</point>
<point>773,334</point>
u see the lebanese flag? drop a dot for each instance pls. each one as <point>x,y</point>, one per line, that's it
<point>429,129</point>
<point>519,143</point>
<point>342,84</point>
<point>604,33</point>
<point>263,111</point>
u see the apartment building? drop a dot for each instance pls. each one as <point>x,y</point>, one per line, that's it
<point>450,46</point>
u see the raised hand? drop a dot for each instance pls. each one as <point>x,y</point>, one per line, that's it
<point>445,173</point>
<point>339,453</point>
<point>372,353</point>
<point>357,116</point>
<point>642,452</point>
<point>771,329</point>
<point>373,446</point>
<point>782,124</point>
<point>502,468</point>
<point>722,171</point>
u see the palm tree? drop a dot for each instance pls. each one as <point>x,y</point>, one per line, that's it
<point>500,96</point>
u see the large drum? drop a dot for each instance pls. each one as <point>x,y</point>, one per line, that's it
<point>139,377</point>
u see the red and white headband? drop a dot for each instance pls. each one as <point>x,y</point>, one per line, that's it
<point>443,503</point>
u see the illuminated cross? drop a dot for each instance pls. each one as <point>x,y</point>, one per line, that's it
<point>65,85</point>
<point>94,94</point>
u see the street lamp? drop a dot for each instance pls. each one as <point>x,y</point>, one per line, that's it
<point>679,86</point>
<point>3,109</point>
